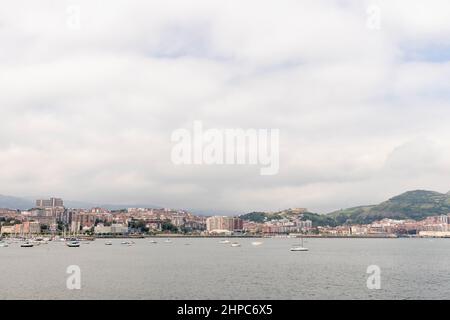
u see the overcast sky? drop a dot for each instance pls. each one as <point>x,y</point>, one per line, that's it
<point>87,114</point>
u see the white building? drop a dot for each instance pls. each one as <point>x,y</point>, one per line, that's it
<point>118,228</point>
<point>101,229</point>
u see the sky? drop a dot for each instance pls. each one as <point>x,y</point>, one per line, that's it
<point>91,92</point>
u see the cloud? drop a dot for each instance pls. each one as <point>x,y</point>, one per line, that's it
<point>87,114</point>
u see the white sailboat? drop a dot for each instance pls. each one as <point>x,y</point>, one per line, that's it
<point>297,247</point>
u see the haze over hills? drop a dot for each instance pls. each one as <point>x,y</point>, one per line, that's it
<point>15,202</point>
<point>417,204</point>
<point>11,202</point>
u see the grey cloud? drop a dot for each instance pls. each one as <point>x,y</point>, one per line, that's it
<point>87,114</point>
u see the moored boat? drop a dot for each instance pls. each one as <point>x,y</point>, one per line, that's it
<point>26,244</point>
<point>299,247</point>
<point>73,244</point>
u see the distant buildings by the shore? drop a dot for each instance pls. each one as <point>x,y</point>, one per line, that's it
<point>51,217</point>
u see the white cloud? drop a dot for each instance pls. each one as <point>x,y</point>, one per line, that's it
<point>87,114</point>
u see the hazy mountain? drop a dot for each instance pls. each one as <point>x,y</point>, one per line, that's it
<point>10,202</point>
<point>15,203</point>
<point>87,205</point>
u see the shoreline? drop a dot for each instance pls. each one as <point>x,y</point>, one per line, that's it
<point>181,236</point>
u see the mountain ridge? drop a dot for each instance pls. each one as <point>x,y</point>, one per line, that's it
<point>415,204</point>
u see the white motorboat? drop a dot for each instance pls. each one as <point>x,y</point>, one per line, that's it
<point>257,243</point>
<point>27,245</point>
<point>3,245</point>
<point>153,241</point>
<point>235,244</point>
<point>224,241</point>
<point>73,244</point>
<point>298,248</point>
<point>108,243</point>
<point>128,243</point>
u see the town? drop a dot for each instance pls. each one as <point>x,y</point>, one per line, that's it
<point>50,217</point>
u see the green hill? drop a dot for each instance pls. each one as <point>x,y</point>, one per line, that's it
<point>316,219</point>
<point>416,205</point>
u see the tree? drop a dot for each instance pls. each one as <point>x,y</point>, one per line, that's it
<point>168,226</point>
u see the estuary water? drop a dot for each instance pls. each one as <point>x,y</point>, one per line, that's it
<point>205,269</point>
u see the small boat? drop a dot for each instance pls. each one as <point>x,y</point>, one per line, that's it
<point>27,245</point>
<point>168,241</point>
<point>153,241</point>
<point>257,243</point>
<point>3,245</point>
<point>108,243</point>
<point>224,241</point>
<point>73,244</point>
<point>235,244</point>
<point>299,247</point>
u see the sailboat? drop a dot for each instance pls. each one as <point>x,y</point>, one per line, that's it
<point>297,247</point>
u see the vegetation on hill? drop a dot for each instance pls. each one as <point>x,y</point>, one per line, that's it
<point>317,219</point>
<point>416,205</point>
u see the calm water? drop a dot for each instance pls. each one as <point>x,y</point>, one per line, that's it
<point>205,269</point>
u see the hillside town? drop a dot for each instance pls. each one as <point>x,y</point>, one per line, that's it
<point>51,217</point>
